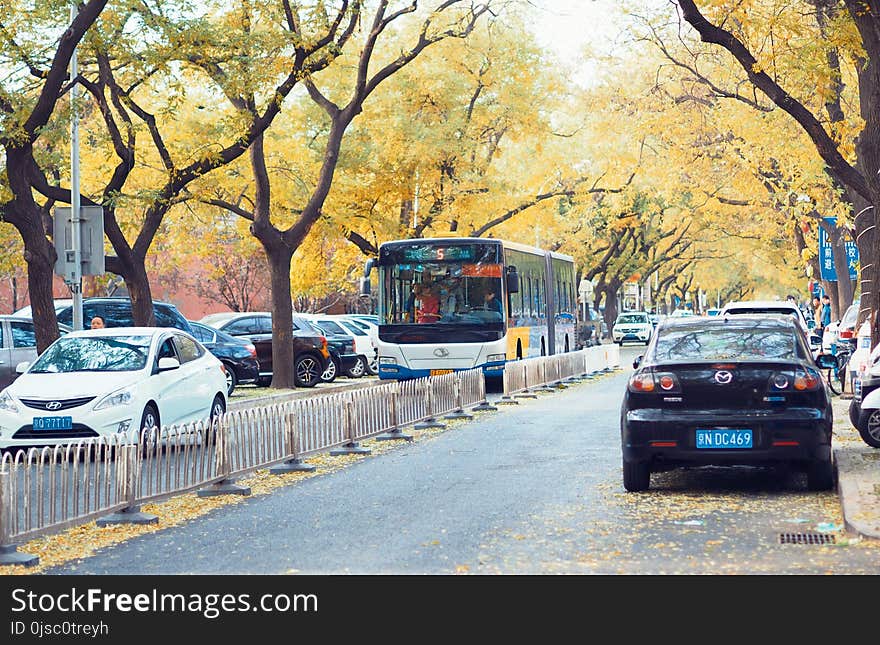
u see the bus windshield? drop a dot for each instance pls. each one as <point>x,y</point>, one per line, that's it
<point>446,292</point>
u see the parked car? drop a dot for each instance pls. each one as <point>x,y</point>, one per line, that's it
<point>101,382</point>
<point>767,307</point>
<point>744,390</point>
<point>866,418</point>
<point>310,353</point>
<point>18,342</point>
<point>26,311</point>
<point>342,357</point>
<point>366,350</point>
<point>632,327</point>
<point>238,355</point>
<point>116,312</point>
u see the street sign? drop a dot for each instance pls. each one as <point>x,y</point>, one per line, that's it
<point>91,242</point>
<point>826,255</point>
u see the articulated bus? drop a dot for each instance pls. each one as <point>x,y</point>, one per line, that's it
<point>448,304</point>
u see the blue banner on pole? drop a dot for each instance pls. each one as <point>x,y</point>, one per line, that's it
<point>827,270</point>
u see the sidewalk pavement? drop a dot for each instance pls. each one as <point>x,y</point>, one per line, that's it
<point>858,475</point>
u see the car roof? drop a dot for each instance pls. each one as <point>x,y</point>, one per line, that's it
<point>744,321</point>
<point>747,304</point>
<point>229,315</point>
<point>125,331</point>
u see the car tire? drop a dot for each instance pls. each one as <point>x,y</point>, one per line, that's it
<point>854,412</point>
<point>149,439</point>
<point>373,365</point>
<point>331,372</point>
<point>218,409</point>
<point>231,379</point>
<point>820,475</point>
<point>636,476</point>
<point>869,427</point>
<point>358,369</point>
<point>307,370</point>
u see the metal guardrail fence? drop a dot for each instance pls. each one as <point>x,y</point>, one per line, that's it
<point>44,491</point>
<point>525,377</point>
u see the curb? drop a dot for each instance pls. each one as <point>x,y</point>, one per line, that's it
<point>858,476</point>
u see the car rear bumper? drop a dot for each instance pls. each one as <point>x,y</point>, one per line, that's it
<point>802,434</point>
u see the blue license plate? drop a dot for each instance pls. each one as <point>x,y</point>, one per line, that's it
<point>720,438</point>
<point>53,423</point>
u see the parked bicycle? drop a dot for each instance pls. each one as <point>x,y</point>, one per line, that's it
<point>836,376</point>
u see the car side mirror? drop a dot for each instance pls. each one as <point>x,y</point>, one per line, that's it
<point>22,367</point>
<point>167,363</point>
<point>826,361</point>
<point>637,362</point>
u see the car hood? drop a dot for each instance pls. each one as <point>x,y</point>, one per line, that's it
<point>71,384</point>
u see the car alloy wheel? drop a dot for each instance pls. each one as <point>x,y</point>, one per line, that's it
<point>231,380</point>
<point>330,373</point>
<point>357,370</point>
<point>869,427</point>
<point>307,371</point>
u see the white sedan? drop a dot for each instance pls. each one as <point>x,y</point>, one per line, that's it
<point>102,382</point>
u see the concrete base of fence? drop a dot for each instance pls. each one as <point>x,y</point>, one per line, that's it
<point>458,414</point>
<point>131,515</point>
<point>508,400</point>
<point>391,435</point>
<point>427,424</point>
<point>350,449</point>
<point>292,466</point>
<point>525,395</point>
<point>483,405</point>
<point>224,487</point>
<point>10,554</point>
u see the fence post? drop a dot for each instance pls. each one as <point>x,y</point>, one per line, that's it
<point>430,422</point>
<point>526,392</point>
<point>225,486</point>
<point>506,396</point>
<point>458,412</point>
<point>291,437</point>
<point>394,432</point>
<point>484,402</point>
<point>127,476</point>
<point>9,553</point>
<point>351,447</point>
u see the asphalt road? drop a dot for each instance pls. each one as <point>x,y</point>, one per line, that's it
<point>533,488</point>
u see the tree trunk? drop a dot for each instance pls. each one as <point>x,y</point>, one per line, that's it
<point>282,315</point>
<point>40,257</point>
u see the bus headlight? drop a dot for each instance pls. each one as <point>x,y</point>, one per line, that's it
<point>495,358</point>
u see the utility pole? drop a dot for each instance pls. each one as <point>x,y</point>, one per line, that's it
<point>74,281</point>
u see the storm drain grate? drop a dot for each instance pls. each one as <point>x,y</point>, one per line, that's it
<point>806,538</point>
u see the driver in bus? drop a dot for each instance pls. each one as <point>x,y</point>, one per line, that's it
<point>428,310</point>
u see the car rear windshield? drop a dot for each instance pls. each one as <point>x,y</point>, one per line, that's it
<point>765,310</point>
<point>725,344</point>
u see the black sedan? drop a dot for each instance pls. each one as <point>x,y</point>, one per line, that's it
<point>727,391</point>
<point>238,355</point>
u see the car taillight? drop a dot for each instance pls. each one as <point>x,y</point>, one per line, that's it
<point>798,381</point>
<point>642,382</point>
<point>667,382</point>
<point>845,333</point>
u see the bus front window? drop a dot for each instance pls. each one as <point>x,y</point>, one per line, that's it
<point>444,293</point>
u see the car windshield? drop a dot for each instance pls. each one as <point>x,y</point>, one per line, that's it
<point>94,354</point>
<point>702,344</point>
<point>628,319</point>
<point>331,327</point>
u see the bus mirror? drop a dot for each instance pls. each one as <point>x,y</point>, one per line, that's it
<point>368,266</point>
<point>365,287</point>
<point>512,280</point>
